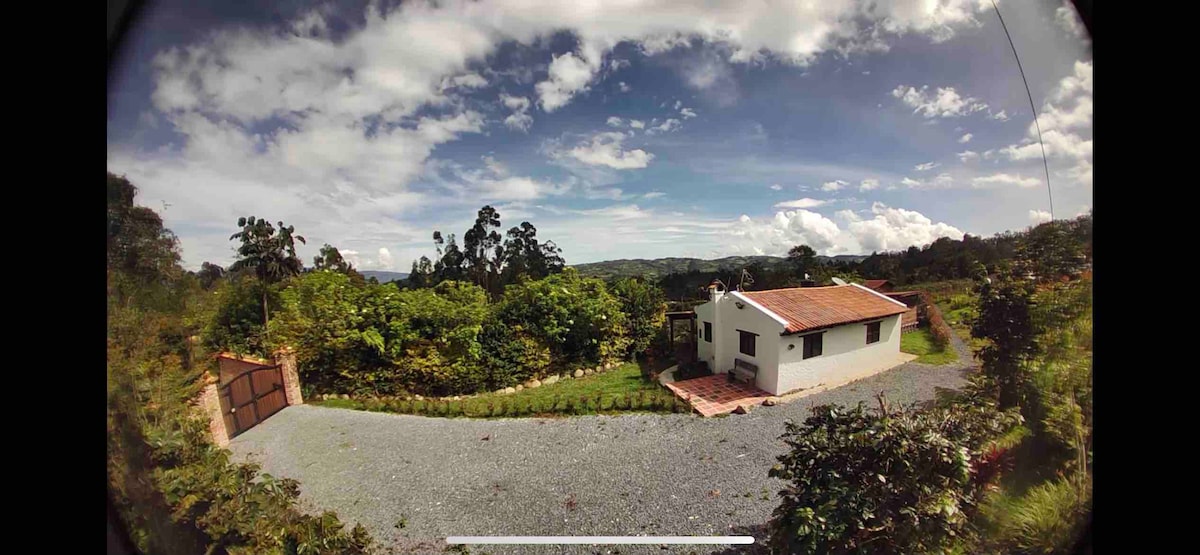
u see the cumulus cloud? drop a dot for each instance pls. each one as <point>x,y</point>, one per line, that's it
<point>926,166</point>
<point>868,185</point>
<point>897,228</point>
<point>614,121</point>
<point>835,185</point>
<point>800,203</point>
<point>605,149</point>
<point>776,187</point>
<point>1039,216</point>
<point>1068,19</point>
<point>999,116</point>
<point>785,230</point>
<point>940,181</point>
<point>966,138</point>
<point>944,103</point>
<point>967,156</point>
<point>637,124</point>
<point>623,87</point>
<point>670,124</point>
<point>569,75</point>
<point>687,113</point>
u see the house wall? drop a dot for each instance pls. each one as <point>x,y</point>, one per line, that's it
<point>845,353</point>
<point>766,353</point>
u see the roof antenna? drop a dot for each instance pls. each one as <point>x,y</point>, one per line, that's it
<point>747,279</point>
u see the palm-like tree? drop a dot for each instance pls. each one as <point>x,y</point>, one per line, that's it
<point>272,255</point>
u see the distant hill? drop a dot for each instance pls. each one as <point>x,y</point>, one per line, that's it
<point>382,276</point>
<point>658,267</point>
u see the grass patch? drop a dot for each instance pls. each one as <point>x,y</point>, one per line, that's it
<point>622,389</point>
<point>920,342</point>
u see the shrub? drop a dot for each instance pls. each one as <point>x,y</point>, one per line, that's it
<point>891,482</point>
<point>1046,519</point>
<point>938,328</point>
<point>645,308</point>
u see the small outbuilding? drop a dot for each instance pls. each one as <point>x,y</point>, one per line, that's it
<point>784,340</point>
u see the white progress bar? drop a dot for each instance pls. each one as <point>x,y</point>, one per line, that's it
<point>600,540</point>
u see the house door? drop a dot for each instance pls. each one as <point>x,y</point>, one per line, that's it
<point>251,397</point>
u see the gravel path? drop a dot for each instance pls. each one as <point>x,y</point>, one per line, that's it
<point>588,475</point>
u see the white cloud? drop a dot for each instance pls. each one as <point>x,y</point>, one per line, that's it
<point>605,149</point>
<point>967,156</point>
<point>670,125</point>
<point>687,113</point>
<point>966,138</point>
<point>1039,216</point>
<point>776,187</point>
<point>785,230</point>
<point>614,121</point>
<point>637,124</point>
<point>519,119</point>
<point>1005,180</point>
<point>946,103</point>
<point>897,228</point>
<point>1066,125</point>
<point>800,203</point>
<point>1000,116</point>
<point>868,185</point>
<point>926,166</point>
<point>624,88</point>
<point>654,194</point>
<point>1068,19</point>
<point>940,181</point>
<point>678,104</point>
<point>464,81</point>
<point>569,75</point>
<point>833,186</point>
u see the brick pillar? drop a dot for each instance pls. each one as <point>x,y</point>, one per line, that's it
<point>286,359</point>
<point>210,401</point>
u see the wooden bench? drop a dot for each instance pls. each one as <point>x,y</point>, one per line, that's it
<point>744,371</point>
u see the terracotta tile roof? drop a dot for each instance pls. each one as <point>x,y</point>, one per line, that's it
<point>810,308</point>
<point>874,283</point>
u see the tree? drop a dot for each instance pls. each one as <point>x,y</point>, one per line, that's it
<point>449,265</point>
<point>331,259</point>
<point>210,274</point>
<point>270,253</point>
<point>525,256</point>
<point>1005,321</point>
<point>803,259</point>
<point>645,310</point>
<point>421,274</point>
<point>482,249</point>
<point>143,256</point>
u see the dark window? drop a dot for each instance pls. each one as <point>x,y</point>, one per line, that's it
<point>746,342</point>
<point>812,345</point>
<point>873,332</point>
<point>708,332</point>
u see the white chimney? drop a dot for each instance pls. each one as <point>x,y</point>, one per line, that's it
<point>715,291</point>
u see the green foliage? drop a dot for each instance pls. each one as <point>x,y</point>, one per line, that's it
<point>1006,323</point>
<point>883,482</point>
<point>511,355</point>
<point>175,491</point>
<point>1048,518</point>
<point>644,307</point>
<point>234,320</point>
<point>576,317</point>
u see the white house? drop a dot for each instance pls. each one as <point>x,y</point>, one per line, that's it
<point>799,338</point>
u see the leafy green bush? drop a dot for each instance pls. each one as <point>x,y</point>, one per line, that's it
<point>645,308</point>
<point>511,355</point>
<point>883,482</point>
<point>1046,519</point>
<point>235,322</point>
<point>576,317</point>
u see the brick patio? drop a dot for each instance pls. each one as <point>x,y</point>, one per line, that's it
<point>713,395</point>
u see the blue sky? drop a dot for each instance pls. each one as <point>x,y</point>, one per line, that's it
<point>632,129</point>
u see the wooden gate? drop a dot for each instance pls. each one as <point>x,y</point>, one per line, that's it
<point>251,397</point>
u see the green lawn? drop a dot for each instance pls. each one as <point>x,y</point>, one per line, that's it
<point>920,342</point>
<point>621,389</point>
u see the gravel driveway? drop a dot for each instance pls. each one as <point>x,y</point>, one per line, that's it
<point>589,475</point>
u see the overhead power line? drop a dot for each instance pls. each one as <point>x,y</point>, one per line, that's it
<point>1045,164</point>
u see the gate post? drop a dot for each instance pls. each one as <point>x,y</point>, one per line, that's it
<point>210,401</point>
<point>286,359</point>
